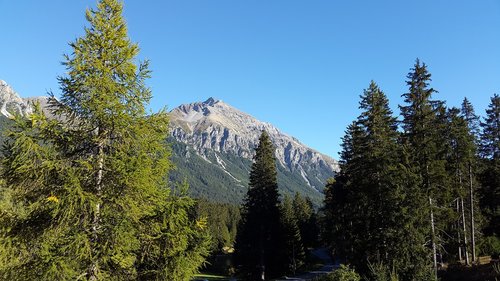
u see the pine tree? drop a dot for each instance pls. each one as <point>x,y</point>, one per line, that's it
<point>259,242</point>
<point>291,232</point>
<point>490,176</point>
<point>87,184</point>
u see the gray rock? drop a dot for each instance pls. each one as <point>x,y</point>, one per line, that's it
<point>11,103</point>
<point>217,126</point>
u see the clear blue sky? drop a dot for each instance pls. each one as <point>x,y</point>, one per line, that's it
<point>300,65</point>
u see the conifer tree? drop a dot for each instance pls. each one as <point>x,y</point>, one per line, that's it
<point>339,212</point>
<point>375,180</point>
<point>369,203</point>
<point>472,121</point>
<point>306,220</point>
<point>461,149</point>
<point>424,124</point>
<point>259,242</point>
<point>89,186</point>
<point>490,176</point>
<point>291,232</point>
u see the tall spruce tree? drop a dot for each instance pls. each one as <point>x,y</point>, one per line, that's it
<point>424,124</point>
<point>375,180</point>
<point>87,184</point>
<point>490,176</point>
<point>472,121</point>
<point>259,242</point>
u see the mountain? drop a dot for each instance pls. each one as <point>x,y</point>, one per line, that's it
<point>212,148</point>
<point>11,103</point>
<point>225,138</point>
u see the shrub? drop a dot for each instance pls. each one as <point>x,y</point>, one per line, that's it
<point>490,245</point>
<point>343,273</point>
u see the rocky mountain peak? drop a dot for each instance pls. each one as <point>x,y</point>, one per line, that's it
<point>211,101</point>
<point>216,126</point>
<point>11,103</point>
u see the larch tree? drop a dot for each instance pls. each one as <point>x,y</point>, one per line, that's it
<point>259,242</point>
<point>86,184</point>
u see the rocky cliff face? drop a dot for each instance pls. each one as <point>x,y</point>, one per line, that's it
<point>11,103</point>
<point>216,126</point>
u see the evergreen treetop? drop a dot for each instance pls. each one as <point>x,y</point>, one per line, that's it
<point>259,243</point>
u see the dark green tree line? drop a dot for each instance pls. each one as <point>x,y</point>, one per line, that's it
<point>490,174</point>
<point>406,197</point>
<point>370,200</point>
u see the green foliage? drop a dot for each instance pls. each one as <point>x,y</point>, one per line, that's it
<point>343,273</point>
<point>426,126</point>
<point>307,220</point>
<point>293,242</point>
<point>381,272</point>
<point>399,196</point>
<point>174,242</point>
<point>490,246</point>
<point>222,222</point>
<point>88,196</point>
<point>490,175</point>
<point>372,209</point>
<point>490,142</point>
<point>5,125</point>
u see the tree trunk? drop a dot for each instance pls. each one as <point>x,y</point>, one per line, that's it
<point>433,239</point>
<point>94,266</point>
<point>463,223</point>
<point>465,232</point>
<point>472,230</point>
<point>262,254</point>
<point>460,258</point>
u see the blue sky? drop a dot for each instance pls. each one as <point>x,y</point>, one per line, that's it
<point>300,65</point>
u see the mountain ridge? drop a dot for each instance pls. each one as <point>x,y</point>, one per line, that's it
<point>215,125</point>
<point>212,147</point>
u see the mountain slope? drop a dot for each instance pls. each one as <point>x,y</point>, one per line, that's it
<point>212,147</point>
<point>225,137</point>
